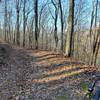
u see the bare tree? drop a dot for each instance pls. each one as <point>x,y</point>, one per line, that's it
<point>24,22</point>
<point>36,22</point>
<point>96,40</point>
<point>70,30</point>
<point>5,20</point>
<point>97,46</point>
<point>62,24</point>
<point>55,21</point>
<point>9,26</point>
<point>17,22</point>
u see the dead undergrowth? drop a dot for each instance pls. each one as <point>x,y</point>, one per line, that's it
<point>42,75</point>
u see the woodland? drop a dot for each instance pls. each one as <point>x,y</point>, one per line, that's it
<point>49,49</point>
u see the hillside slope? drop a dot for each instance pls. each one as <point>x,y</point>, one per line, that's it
<point>41,75</point>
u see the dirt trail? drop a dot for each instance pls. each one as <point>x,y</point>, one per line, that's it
<point>41,75</point>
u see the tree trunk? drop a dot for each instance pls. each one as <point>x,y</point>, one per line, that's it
<point>36,23</point>
<point>5,21</point>
<point>55,23</point>
<point>95,35</point>
<point>96,48</point>
<point>24,23</point>
<point>62,24</point>
<point>70,30</point>
<point>17,23</point>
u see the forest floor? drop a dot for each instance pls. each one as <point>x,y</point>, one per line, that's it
<point>42,75</point>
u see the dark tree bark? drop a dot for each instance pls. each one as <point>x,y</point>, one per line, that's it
<point>36,23</point>
<point>17,23</point>
<point>95,46</point>
<point>62,24</point>
<point>24,22</point>
<point>55,22</point>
